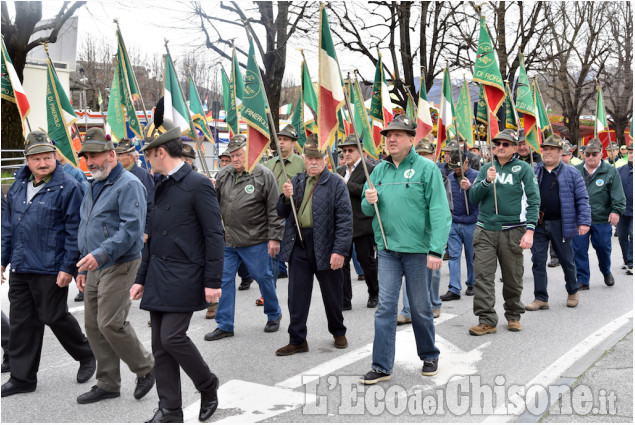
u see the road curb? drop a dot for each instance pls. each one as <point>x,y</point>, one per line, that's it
<point>575,371</point>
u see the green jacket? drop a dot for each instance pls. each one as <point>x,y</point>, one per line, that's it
<point>605,192</point>
<point>412,204</point>
<point>517,194</point>
<point>293,165</point>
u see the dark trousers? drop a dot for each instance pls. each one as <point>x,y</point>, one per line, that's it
<point>366,255</point>
<point>172,348</point>
<point>5,333</point>
<point>36,300</point>
<point>625,236</point>
<point>302,268</point>
<point>243,272</point>
<point>551,231</point>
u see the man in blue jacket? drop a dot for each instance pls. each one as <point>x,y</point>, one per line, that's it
<point>325,218</point>
<point>564,214</point>
<point>625,225</point>
<point>113,215</point>
<point>39,240</point>
<point>464,218</point>
<point>180,272</point>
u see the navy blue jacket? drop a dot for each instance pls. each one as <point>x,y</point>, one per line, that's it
<point>40,236</point>
<point>332,218</point>
<point>574,198</point>
<point>185,251</point>
<point>626,175</point>
<point>146,179</point>
<point>459,213</point>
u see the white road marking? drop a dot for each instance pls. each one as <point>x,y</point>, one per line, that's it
<point>557,368</point>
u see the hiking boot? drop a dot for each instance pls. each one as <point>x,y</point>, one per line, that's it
<point>572,300</point>
<point>430,367</point>
<point>211,310</point>
<point>609,280</point>
<point>290,349</point>
<point>553,263</point>
<point>403,320</point>
<point>373,377</point>
<point>436,312</point>
<point>514,325</point>
<point>537,305</point>
<point>469,291</point>
<point>482,329</point>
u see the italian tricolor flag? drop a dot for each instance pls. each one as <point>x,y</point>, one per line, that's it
<point>424,120</point>
<point>175,107</point>
<point>331,94</point>
<point>11,87</point>
<point>380,106</point>
<point>446,112</point>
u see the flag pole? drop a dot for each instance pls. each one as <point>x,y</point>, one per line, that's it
<point>489,143</point>
<point>204,116</point>
<point>361,151</point>
<point>508,93</point>
<point>272,128</point>
<point>608,129</point>
<point>192,128</point>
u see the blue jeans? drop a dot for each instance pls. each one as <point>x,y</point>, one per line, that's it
<point>461,235</point>
<point>551,231</point>
<point>392,266</point>
<point>435,299</point>
<point>625,236</point>
<point>600,235</point>
<point>358,267</point>
<point>260,266</point>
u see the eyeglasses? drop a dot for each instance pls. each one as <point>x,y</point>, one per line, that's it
<point>504,144</point>
<point>593,154</point>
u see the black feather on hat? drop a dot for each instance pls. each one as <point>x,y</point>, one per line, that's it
<point>158,113</point>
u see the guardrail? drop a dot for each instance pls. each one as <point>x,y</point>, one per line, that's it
<point>11,164</point>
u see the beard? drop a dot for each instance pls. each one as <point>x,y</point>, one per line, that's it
<point>100,173</point>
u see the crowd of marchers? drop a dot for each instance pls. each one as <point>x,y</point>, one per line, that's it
<point>176,239</point>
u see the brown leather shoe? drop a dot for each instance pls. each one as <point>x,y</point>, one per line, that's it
<point>436,312</point>
<point>211,310</point>
<point>340,341</point>
<point>482,329</point>
<point>537,305</point>
<point>572,300</point>
<point>290,349</point>
<point>514,325</point>
<point>403,320</point>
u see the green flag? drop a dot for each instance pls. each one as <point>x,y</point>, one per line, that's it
<point>308,92</point>
<point>237,79</point>
<point>116,117</point>
<point>481,107</point>
<point>297,120</point>
<point>486,70</point>
<point>254,111</point>
<point>463,113</point>
<point>59,115</point>
<point>229,101</point>
<point>543,119</point>
<point>601,124</point>
<point>198,115</point>
<point>525,105</point>
<point>411,109</point>
<point>122,55</point>
<point>126,99</point>
<point>362,123</point>
<point>510,111</point>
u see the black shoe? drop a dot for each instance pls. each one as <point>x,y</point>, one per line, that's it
<point>209,401</point>
<point>166,416</point>
<point>373,377</point>
<point>5,364</point>
<point>144,385</point>
<point>283,275</point>
<point>629,270</point>
<point>217,334</point>
<point>347,306</point>
<point>469,291</point>
<point>583,287</point>
<point>553,263</point>
<point>96,394</point>
<point>372,302</point>
<point>361,277</point>
<point>608,280</point>
<point>273,325</point>
<point>12,387</point>
<point>430,367</point>
<point>79,298</point>
<point>86,369</point>
<point>449,296</point>
<point>244,285</point>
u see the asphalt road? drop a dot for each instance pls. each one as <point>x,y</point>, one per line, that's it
<point>495,377</point>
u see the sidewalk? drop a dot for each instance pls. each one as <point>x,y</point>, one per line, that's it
<point>610,380</point>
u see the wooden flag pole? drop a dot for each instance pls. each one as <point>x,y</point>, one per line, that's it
<point>204,116</point>
<point>489,143</point>
<point>192,128</point>
<point>272,128</point>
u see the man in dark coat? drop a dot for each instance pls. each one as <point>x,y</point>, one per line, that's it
<point>39,240</point>
<point>625,225</point>
<point>363,237</point>
<point>180,272</point>
<point>326,221</point>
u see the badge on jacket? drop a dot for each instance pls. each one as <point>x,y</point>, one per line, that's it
<point>599,182</point>
<point>249,188</point>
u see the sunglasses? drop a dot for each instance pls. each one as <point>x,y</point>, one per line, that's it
<point>593,154</point>
<point>503,144</point>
